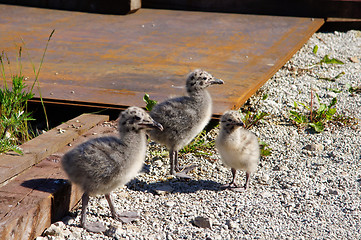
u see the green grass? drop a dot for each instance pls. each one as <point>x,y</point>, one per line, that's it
<point>326,59</point>
<point>265,150</point>
<point>352,89</point>
<point>200,145</point>
<point>313,117</point>
<point>332,79</point>
<point>317,118</point>
<point>14,115</point>
<point>251,115</point>
<point>250,119</point>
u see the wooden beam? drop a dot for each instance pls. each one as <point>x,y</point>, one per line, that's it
<point>35,199</point>
<point>46,144</point>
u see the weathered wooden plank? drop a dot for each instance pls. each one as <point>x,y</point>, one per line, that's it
<point>12,165</point>
<point>34,199</point>
<point>42,178</point>
<point>25,206</point>
<point>27,223</point>
<point>46,144</point>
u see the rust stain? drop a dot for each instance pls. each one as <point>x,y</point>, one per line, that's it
<point>116,59</point>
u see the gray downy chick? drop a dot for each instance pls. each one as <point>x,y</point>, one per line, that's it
<point>238,147</point>
<point>102,164</point>
<point>184,117</point>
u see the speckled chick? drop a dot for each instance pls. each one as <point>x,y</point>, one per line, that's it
<point>184,117</point>
<point>238,147</point>
<point>102,164</point>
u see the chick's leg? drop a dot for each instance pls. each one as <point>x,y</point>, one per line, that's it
<point>125,217</point>
<point>91,227</point>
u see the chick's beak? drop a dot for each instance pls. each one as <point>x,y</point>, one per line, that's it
<point>216,81</point>
<point>157,125</point>
<point>241,124</point>
<point>152,124</point>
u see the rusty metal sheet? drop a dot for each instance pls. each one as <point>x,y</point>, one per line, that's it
<point>114,60</point>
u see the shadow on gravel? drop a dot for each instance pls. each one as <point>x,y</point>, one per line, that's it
<point>174,186</point>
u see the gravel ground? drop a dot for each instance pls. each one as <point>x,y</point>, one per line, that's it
<point>308,188</point>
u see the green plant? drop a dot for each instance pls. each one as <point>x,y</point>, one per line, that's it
<point>341,119</point>
<point>251,118</point>
<point>333,79</point>
<point>326,59</point>
<point>150,103</point>
<point>265,150</point>
<point>315,49</point>
<point>14,116</point>
<point>314,118</point>
<point>200,145</point>
<point>37,72</point>
<point>335,90</point>
<point>353,90</point>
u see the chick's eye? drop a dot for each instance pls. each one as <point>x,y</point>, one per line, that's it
<point>137,118</point>
<point>204,78</point>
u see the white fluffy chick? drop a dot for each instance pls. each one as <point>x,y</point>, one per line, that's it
<point>238,147</point>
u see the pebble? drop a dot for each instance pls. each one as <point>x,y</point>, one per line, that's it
<point>331,94</point>
<point>217,237</point>
<point>202,222</point>
<point>265,179</point>
<point>158,163</point>
<point>266,194</point>
<point>114,231</point>
<point>163,189</point>
<point>333,191</point>
<point>314,147</point>
<point>231,224</point>
<point>59,224</point>
<point>170,204</point>
<point>316,89</point>
<point>53,230</point>
<point>354,59</point>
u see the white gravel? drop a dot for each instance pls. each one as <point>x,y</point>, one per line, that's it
<point>295,194</point>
